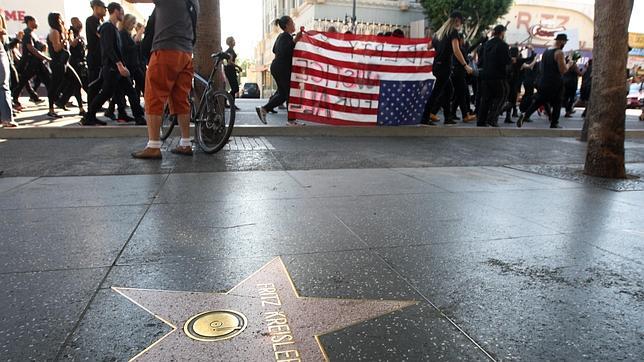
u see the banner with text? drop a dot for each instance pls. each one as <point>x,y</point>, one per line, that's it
<point>344,79</point>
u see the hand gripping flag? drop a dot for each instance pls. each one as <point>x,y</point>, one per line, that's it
<point>343,79</point>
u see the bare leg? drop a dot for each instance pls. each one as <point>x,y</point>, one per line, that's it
<point>154,127</point>
<point>184,124</point>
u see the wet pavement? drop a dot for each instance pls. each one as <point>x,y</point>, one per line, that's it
<point>416,249</point>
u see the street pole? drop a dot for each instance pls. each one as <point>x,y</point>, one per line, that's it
<point>354,18</point>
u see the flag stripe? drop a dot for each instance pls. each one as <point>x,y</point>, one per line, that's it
<point>301,74</point>
<point>334,106</point>
<point>335,91</point>
<point>331,121</point>
<point>398,61</point>
<point>361,66</point>
<point>368,38</point>
<point>405,51</point>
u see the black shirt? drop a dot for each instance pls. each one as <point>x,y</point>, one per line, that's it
<point>77,52</point>
<point>29,39</point>
<point>130,50</point>
<point>550,74</point>
<point>443,47</point>
<point>93,42</point>
<point>495,59</point>
<point>230,66</point>
<point>111,47</point>
<point>283,50</point>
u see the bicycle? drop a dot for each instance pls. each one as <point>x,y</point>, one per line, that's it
<point>213,121</point>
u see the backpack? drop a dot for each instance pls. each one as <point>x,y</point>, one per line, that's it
<point>148,39</point>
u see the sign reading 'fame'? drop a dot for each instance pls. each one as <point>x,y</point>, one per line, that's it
<point>262,319</point>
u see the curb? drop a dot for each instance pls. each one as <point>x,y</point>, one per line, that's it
<point>308,131</point>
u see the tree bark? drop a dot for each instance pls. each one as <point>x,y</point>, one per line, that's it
<point>605,153</point>
<point>208,40</point>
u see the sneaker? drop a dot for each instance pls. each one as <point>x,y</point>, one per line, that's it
<point>555,125</point>
<point>521,119</point>
<point>434,118</point>
<point>36,100</point>
<point>449,122</point>
<point>261,113</point>
<point>110,115</point>
<point>182,150</point>
<point>272,111</point>
<point>124,118</point>
<point>508,120</point>
<point>294,123</point>
<point>148,154</point>
<point>52,114</point>
<point>568,115</point>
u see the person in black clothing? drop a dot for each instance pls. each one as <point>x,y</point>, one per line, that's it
<point>114,74</point>
<point>462,96</point>
<point>232,68</point>
<point>32,62</point>
<point>78,65</point>
<point>57,46</point>
<point>550,85</point>
<point>495,58</point>
<point>446,44</point>
<point>571,83</point>
<point>515,79</point>
<point>94,48</point>
<point>131,57</point>
<point>586,85</point>
<point>281,67</point>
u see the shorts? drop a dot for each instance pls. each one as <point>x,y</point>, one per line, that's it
<point>168,79</point>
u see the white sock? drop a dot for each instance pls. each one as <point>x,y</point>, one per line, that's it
<point>154,144</point>
<point>185,142</point>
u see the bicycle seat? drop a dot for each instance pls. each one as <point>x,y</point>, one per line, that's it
<point>220,56</point>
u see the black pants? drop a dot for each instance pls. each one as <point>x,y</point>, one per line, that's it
<point>549,95</point>
<point>231,75</point>
<point>93,82</point>
<point>111,82</point>
<point>72,87</point>
<point>283,79</point>
<point>33,67</point>
<point>441,94</point>
<point>528,93</point>
<point>461,93</point>
<point>570,96</point>
<point>57,83</point>
<point>513,95</point>
<point>493,96</point>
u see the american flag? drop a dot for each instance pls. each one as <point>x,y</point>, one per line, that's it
<point>343,79</point>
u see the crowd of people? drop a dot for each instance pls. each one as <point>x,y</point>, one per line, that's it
<point>109,63</point>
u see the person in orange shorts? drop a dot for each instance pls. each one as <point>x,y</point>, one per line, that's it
<point>170,72</point>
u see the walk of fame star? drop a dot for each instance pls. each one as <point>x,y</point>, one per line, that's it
<point>261,319</point>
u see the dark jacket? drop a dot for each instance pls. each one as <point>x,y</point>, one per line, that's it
<point>495,59</point>
<point>111,47</point>
<point>283,50</point>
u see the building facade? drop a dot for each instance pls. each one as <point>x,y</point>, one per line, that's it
<point>372,17</point>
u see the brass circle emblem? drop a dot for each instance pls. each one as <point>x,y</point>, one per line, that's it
<point>215,325</point>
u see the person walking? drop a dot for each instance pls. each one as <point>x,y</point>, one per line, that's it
<point>32,62</point>
<point>461,88</point>
<point>586,86</point>
<point>6,111</point>
<point>63,78</point>
<point>571,83</point>
<point>231,68</point>
<point>170,72</point>
<point>92,37</point>
<point>550,85</point>
<point>78,64</point>
<point>495,58</point>
<point>113,73</point>
<point>446,44</point>
<point>131,57</point>
<point>281,68</point>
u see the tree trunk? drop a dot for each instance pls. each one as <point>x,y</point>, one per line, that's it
<point>208,39</point>
<point>605,153</point>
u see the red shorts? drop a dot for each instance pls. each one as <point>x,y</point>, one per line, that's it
<point>168,79</point>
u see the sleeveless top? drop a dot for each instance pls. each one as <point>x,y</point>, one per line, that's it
<point>550,75</point>
<point>61,56</point>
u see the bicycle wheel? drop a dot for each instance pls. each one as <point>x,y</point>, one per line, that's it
<point>214,122</point>
<point>168,121</point>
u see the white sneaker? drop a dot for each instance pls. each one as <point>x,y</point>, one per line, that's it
<point>261,113</point>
